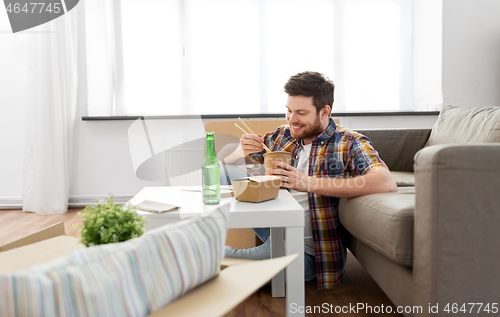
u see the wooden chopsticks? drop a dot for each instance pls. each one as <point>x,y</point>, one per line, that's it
<point>243,122</point>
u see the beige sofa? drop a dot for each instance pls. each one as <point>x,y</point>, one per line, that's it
<point>437,240</point>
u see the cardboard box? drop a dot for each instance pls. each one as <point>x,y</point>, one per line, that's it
<point>46,233</point>
<point>257,188</point>
<point>238,279</point>
<point>42,246</point>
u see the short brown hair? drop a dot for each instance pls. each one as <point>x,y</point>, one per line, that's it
<point>312,84</point>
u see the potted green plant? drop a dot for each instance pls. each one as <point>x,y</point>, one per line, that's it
<point>108,222</point>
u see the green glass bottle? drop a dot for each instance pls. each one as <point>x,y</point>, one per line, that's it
<point>210,171</point>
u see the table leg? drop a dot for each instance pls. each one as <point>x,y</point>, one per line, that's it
<point>295,287</point>
<point>277,250</point>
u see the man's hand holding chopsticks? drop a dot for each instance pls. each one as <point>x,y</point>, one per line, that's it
<point>251,143</point>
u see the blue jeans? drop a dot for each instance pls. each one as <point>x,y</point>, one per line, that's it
<point>228,172</point>
<point>263,252</point>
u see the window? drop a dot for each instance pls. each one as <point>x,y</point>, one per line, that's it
<point>192,57</point>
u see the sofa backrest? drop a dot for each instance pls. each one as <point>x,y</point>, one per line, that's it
<point>466,125</point>
<point>397,147</point>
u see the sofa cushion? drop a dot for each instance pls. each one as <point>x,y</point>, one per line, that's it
<point>404,179</point>
<point>131,278</point>
<point>384,222</point>
<point>466,125</point>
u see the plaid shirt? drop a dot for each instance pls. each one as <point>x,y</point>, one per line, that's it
<point>336,152</point>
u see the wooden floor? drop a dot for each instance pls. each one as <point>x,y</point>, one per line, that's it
<point>358,286</point>
<point>15,224</point>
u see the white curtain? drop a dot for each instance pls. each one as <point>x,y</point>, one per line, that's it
<point>50,115</point>
<point>104,71</point>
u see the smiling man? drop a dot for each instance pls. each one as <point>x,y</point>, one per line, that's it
<point>328,162</point>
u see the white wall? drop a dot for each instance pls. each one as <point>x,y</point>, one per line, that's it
<point>471,52</point>
<point>102,163</point>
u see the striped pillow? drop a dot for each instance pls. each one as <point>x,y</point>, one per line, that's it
<point>132,278</point>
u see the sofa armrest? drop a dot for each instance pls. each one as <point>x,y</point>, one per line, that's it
<point>457,219</point>
<point>397,147</point>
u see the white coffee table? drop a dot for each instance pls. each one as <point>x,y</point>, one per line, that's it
<point>283,215</point>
